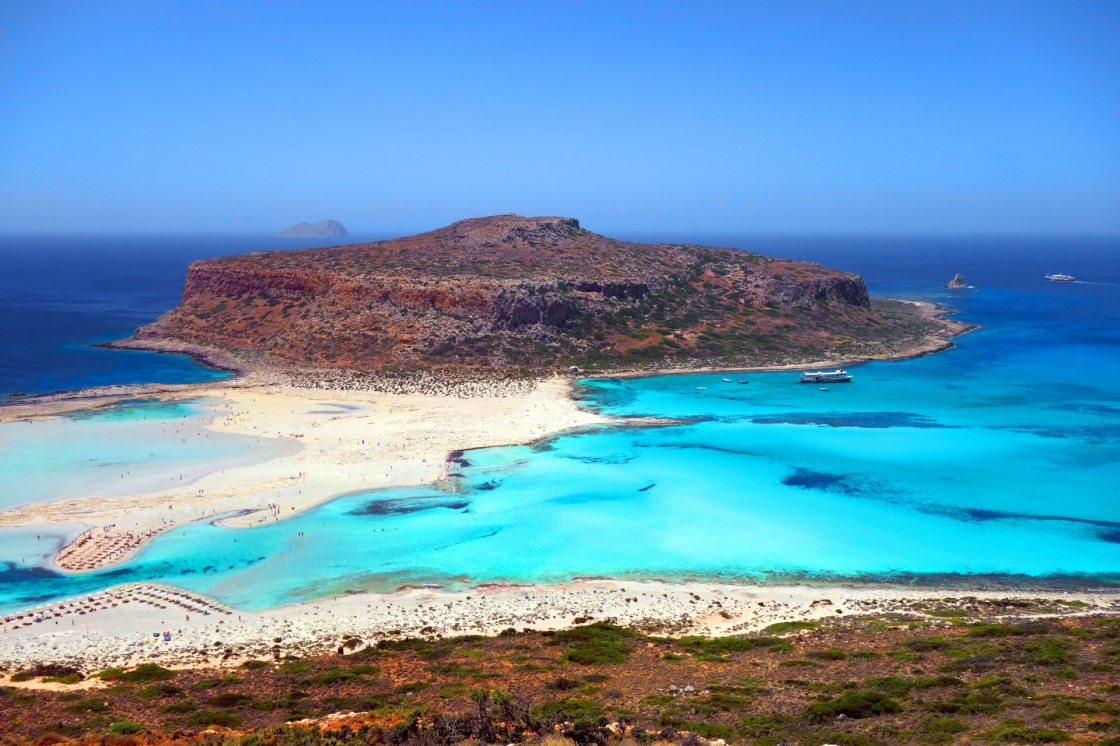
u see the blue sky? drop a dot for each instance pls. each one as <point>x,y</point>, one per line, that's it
<point>795,117</point>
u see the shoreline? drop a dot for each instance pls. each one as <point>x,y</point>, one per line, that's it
<point>349,441</point>
<point>247,375</point>
<point>257,489</point>
<point>113,635</point>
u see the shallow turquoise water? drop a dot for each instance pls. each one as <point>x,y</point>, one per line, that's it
<point>997,462</point>
<point>138,447</point>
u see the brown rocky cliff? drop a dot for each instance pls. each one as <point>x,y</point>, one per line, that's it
<point>512,292</point>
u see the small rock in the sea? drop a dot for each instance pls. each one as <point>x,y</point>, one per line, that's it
<point>957,282</point>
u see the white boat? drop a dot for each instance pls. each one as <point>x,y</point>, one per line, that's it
<point>1059,277</point>
<point>727,380</point>
<point>821,376</point>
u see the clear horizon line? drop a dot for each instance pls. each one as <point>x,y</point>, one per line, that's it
<point>608,232</point>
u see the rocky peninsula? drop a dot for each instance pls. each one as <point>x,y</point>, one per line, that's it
<point>513,296</point>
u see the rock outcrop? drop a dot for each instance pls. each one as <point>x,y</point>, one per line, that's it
<point>322,229</point>
<point>957,283</point>
<point>515,293</point>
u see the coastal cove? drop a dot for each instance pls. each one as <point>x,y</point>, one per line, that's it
<point>985,466</point>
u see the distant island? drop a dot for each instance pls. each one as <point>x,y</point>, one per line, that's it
<point>510,294</point>
<point>322,229</point>
<point>957,283</point>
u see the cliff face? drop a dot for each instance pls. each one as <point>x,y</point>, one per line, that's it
<point>512,292</point>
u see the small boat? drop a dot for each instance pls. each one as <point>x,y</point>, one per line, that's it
<point>1059,277</point>
<point>822,388</point>
<point>727,380</point>
<point>744,381</point>
<point>701,388</point>
<point>820,376</point>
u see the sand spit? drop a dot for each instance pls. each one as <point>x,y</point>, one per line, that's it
<point>111,632</point>
<point>347,439</point>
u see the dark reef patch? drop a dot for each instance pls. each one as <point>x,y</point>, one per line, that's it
<point>705,447</point>
<point>613,459</point>
<point>1092,434</point>
<point>1109,534</point>
<point>852,419</point>
<point>13,574</point>
<point>403,506</point>
<point>808,479</point>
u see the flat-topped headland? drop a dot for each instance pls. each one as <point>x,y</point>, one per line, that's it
<point>510,295</point>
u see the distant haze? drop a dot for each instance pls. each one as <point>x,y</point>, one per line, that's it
<point>799,117</point>
<point>321,229</point>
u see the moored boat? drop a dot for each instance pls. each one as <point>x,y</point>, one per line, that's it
<point>821,376</point>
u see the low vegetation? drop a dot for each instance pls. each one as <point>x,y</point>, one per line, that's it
<point>868,681</point>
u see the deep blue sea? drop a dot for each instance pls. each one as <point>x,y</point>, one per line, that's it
<point>997,462</point>
<point>60,294</point>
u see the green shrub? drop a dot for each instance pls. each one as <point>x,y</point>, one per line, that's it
<point>929,644</point>
<point>704,730</point>
<point>255,665</point>
<point>145,673</point>
<point>854,705</point>
<point>125,728</point>
<point>833,654</point>
<point>969,703</point>
<point>940,730</point>
<point>996,630</point>
<point>761,726</point>
<point>716,649</point>
<point>1050,652</point>
<point>780,627</point>
<point>295,667</point>
<point>412,687</point>
<point>1013,730</point>
<point>332,676</point>
<point>83,706</point>
<point>598,644</point>
<point>574,710</point>
<point>230,699</point>
<point>562,684</point>
<point>214,683</point>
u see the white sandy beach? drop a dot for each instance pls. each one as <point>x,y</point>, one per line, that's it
<point>348,440</point>
<point>123,634</point>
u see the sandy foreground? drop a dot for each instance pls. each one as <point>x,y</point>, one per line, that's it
<point>123,634</point>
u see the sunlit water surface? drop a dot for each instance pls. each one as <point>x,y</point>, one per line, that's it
<point>997,462</point>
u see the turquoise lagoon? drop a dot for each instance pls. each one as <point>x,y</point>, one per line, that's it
<point>137,447</point>
<point>995,463</point>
